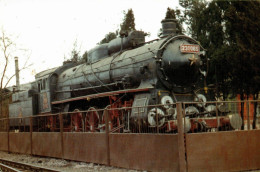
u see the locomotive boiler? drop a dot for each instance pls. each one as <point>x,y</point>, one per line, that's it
<point>129,73</point>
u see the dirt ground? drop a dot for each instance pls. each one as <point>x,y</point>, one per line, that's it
<point>61,165</point>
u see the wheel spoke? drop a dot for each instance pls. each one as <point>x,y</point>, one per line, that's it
<point>76,121</point>
<point>92,120</point>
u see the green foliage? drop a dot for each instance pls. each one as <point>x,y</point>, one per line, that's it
<point>110,36</point>
<point>75,53</point>
<point>170,14</point>
<point>85,57</point>
<point>229,30</point>
<point>175,14</point>
<point>242,30</point>
<point>128,23</point>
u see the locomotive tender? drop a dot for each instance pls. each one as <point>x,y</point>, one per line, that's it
<point>126,72</point>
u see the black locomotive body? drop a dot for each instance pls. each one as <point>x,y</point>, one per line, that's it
<point>127,72</point>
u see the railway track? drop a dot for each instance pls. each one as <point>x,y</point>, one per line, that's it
<point>11,166</point>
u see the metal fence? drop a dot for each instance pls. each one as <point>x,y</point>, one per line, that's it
<point>154,138</point>
<point>222,116</point>
<point>197,117</point>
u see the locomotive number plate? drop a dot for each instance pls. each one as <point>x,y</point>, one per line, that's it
<point>189,48</point>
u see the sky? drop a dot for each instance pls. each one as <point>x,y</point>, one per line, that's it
<point>44,31</point>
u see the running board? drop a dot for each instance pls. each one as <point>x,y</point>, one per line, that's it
<point>105,94</point>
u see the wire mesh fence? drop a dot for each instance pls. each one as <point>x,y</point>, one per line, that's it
<point>222,116</point>
<point>196,117</point>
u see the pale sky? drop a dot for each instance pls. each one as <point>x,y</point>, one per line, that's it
<point>47,29</point>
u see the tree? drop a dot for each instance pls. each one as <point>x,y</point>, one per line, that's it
<point>229,30</point>
<point>128,23</point>
<point>170,14</point>
<point>75,54</point>
<point>242,29</point>
<point>110,36</point>
<point>7,48</point>
<point>205,24</point>
<point>85,57</point>
<point>175,14</point>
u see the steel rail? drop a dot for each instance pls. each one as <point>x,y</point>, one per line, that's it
<point>15,166</point>
<point>4,168</point>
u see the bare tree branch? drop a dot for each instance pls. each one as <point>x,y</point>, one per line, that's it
<point>6,45</point>
<point>25,67</point>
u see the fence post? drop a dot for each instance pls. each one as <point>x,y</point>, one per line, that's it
<point>107,135</point>
<point>8,138</point>
<point>61,134</point>
<point>248,115</point>
<point>217,116</point>
<point>31,130</point>
<point>181,135</point>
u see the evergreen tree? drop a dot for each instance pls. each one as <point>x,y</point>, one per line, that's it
<point>75,53</point>
<point>85,57</point>
<point>229,30</point>
<point>170,14</point>
<point>242,23</point>
<point>128,21</point>
<point>175,14</point>
<point>127,25</point>
<point>110,36</point>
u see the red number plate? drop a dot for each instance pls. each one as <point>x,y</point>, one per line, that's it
<point>189,48</point>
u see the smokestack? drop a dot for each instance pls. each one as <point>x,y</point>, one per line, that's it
<point>168,27</point>
<point>17,73</point>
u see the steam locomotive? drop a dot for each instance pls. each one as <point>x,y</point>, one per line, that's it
<point>129,73</point>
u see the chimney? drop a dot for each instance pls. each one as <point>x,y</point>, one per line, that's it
<point>168,27</point>
<point>17,73</point>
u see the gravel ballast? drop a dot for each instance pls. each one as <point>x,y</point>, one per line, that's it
<point>59,164</point>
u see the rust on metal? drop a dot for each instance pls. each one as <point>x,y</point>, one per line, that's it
<point>248,114</point>
<point>87,147</point>
<point>31,130</point>
<point>217,116</point>
<point>4,141</point>
<point>20,142</point>
<point>223,151</point>
<point>152,152</point>
<point>253,148</point>
<point>181,144</point>
<point>47,144</point>
<point>107,136</point>
<point>8,138</point>
<point>61,135</point>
